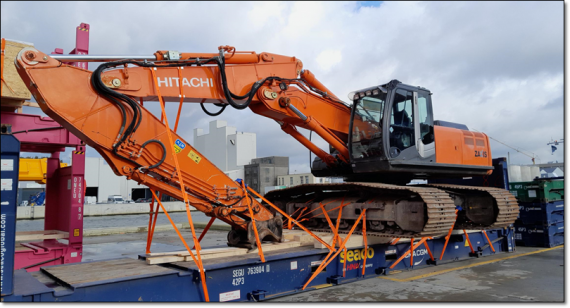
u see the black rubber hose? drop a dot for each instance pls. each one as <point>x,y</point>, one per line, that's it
<point>213,114</point>
<point>95,83</point>
<point>163,152</point>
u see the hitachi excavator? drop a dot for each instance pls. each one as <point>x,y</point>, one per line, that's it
<point>380,142</point>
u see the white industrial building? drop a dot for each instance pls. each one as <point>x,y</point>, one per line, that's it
<point>227,148</point>
<point>102,182</point>
<point>289,180</point>
<point>224,146</point>
<point>300,179</point>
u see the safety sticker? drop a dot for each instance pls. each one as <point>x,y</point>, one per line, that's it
<point>293,265</point>
<point>75,232</point>
<point>7,184</point>
<point>179,146</point>
<point>7,165</point>
<point>194,156</point>
<point>229,296</point>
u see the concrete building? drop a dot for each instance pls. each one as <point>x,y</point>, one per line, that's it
<point>303,178</point>
<point>263,172</point>
<point>102,182</point>
<point>551,172</point>
<point>27,189</point>
<point>551,169</point>
<point>227,148</point>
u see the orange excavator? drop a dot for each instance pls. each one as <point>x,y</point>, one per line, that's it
<point>384,139</point>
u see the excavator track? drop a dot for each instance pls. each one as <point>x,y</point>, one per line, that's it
<point>440,201</point>
<point>506,205</point>
<point>439,207</point>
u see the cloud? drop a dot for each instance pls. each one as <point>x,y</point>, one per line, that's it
<point>494,66</point>
<point>328,59</point>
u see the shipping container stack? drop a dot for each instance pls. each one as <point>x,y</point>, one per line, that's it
<point>541,203</point>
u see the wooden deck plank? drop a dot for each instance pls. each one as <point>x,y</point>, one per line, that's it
<point>41,235</point>
<point>105,270</point>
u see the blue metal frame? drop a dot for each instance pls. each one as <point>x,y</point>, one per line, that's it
<point>540,235</point>
<point>250,280</point>
<point>10,154</point>
<point>537,213</point>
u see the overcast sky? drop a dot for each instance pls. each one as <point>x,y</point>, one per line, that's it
<point>495,66</point>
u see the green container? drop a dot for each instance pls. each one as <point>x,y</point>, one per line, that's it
<point>539,190</point>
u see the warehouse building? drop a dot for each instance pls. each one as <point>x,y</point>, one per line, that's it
<point>226,148</point>
<point>102,182</point>
<point>263,172</point>
<point>303,178</point>
<point>223,145</point>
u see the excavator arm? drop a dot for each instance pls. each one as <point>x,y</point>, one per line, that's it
<point>104,108</point>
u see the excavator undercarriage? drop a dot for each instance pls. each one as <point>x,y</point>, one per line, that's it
<point>398,211</point>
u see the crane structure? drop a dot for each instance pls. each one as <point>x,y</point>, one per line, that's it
<point>387,137</point>
<point>553,144</point>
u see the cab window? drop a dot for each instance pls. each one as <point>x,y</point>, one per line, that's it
<point>367,126</point>
<point>425,118</point>
<point>402,122</point>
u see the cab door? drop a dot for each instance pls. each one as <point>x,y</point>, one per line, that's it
<point>410,126</point>
<point>423,126</point>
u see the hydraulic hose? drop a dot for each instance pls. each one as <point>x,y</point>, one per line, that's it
<point>223,107</point>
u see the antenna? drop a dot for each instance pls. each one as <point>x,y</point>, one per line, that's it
<point>532,156</point>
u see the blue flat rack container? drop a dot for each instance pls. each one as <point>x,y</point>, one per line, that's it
<point>541,213</point>
<point>10,153</point>
<point>240,278</point>
<point>540,235</point>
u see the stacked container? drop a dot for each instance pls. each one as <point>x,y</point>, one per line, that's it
<point>541,216</point>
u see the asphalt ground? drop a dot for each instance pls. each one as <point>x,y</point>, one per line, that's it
<point>529,275</point>
<point>97,222</point>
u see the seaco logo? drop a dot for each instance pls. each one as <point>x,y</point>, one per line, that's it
<point>356,255</point>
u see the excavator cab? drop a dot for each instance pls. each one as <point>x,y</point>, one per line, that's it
<point>392,134</point>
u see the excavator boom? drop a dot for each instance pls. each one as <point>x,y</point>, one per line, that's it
<point>104,108</point>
